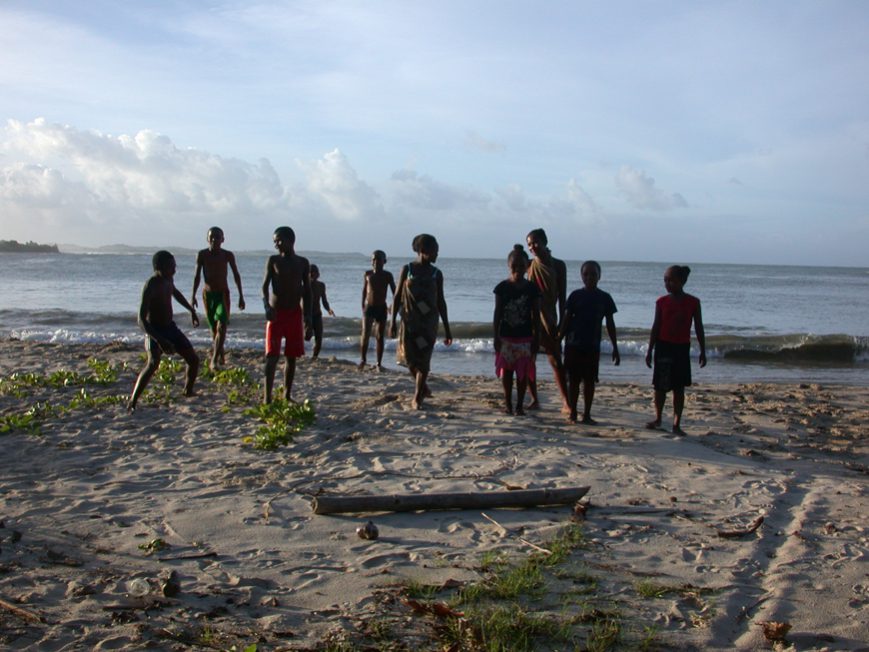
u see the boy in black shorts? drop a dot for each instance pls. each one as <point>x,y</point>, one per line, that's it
<point>163,336</point>
<point>374,310</point>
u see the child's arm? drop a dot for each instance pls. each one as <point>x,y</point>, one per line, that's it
<point>365,290</point>
<point>535,325</point>
<point>653,335</point>
<point>561,270</point>
<point>611,331</point>
<point>196,276</point>
<point>180,299</point>
<point>442,310</point>
<point>237,277</point>
<point>396,300</point>
<point>307,295</point>
<point>701,335</point>
<point>496,322</point>
<point>563,324</point>
<point>326,301</point>
<point>267,282</point>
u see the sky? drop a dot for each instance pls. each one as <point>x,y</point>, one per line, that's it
<point>733,132</point>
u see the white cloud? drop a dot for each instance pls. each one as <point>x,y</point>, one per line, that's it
<point>334,183</point>
<point>640,190</point>
<point>473,140</point>
<point>412,190</point>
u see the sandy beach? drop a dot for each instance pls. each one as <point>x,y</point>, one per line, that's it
<point>101,506</point>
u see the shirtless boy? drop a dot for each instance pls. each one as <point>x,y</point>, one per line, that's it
<point>318,298</point>
<point>162,335</point>
<point>374,311</point>
<point>287,302</point>
<point>212,263</point>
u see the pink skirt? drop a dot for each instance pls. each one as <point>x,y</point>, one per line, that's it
<point>515,355</point>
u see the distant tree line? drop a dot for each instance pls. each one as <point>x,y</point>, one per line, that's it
<point>29,247</point>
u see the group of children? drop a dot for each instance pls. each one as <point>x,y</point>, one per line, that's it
<point>532,313</point>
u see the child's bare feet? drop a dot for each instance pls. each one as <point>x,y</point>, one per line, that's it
<point>677,430</point>
<point>587,420</point>
<point>508,409</point>
<point>654,425</point>
<point>533,405</point>
<point>571,417</point>
<point>361,365</point>
<point>519,411</point>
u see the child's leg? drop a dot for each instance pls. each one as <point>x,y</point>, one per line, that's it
<point>363,342</point>
<point>271,365</point>
<point>151,365</point>
<point>587,397</point>
<point>521,385</point>
<point>289,376</point>
<point>507,384</point>
<point>378,340</point>
<point>678,406</point>
<point>421,389</point>
<point>219,339</point>
<point>660,396</point>
<point>532,389</point>
<point>318,336</point>
<point>192,360</point>
<point>572,393</point>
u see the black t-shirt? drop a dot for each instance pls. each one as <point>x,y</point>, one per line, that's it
<point>517,300</point>
<point>584,313</point>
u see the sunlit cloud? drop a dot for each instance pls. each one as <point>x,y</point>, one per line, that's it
<point>640,190</point>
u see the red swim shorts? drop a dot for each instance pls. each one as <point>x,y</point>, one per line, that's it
<point>287,325</point>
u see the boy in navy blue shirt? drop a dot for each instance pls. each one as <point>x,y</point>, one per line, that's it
<point>581,330</point>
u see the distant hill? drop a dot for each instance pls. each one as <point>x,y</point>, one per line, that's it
<point>27,247</point>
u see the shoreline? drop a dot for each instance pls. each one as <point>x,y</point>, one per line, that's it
<point>256,565</point>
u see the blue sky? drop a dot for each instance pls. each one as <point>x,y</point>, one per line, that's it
<point>665,131</point>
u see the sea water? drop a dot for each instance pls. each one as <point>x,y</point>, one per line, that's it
<point>763,323</point>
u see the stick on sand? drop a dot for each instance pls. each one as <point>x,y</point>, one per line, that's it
<point>417,502</point>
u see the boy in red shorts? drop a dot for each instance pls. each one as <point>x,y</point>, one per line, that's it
<point>287,302</point>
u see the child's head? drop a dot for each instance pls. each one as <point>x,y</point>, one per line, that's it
<point>675,277</point>
<point>284,238</point>
<point>315,272</point>
<point>517,261</point>
<point>537,241</point>
<point>163,262</point>
<point>426,246</point>
<point>590,273</point>
<point>214,237</point>
<point>378,259</point>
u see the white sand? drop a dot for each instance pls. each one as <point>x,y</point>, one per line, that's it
<point>256,565</point>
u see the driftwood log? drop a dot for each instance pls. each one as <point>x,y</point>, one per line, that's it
<point>473,500</point>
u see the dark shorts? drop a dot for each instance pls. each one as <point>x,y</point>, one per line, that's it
<point>672,366</point>
<point>376,313</point>
<point>316,329</point>
<point>173,334</point>
<point>584,365</point>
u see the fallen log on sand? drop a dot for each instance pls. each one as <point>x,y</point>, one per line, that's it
<point>471,500</point>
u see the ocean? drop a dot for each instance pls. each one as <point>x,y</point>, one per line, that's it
<point>763,323</point>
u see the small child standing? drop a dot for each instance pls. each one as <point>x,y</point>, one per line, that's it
<point>516,329</point>
<point>318,296</point>
<point>670,340</point>
<point>374,307</point>
<point>162,335</point>
<point>581,330</point>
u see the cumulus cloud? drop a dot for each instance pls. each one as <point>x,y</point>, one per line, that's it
<point>640,190</point>
<point>412,190</point>
<point>574,205</point>
<point>57,175</point>
<point>334,183</point>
